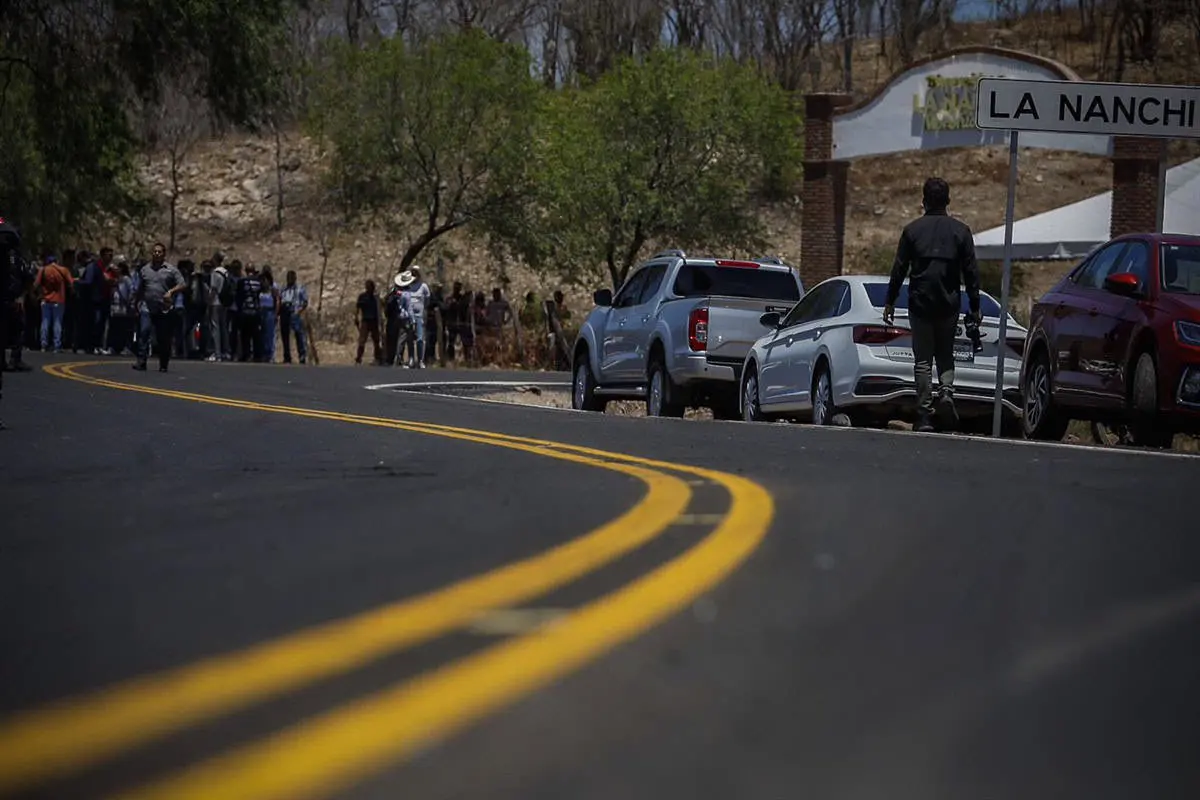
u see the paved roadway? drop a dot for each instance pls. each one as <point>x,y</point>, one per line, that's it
<point>925,617</point>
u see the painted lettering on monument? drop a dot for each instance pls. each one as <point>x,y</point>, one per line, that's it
<point>948,104</point>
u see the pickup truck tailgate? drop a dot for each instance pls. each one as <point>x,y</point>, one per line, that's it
<point>733,326</point>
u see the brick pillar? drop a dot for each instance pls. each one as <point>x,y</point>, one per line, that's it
<point>823,215</point>
<point>1135,179</point>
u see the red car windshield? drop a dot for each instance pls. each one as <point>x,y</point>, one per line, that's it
<point>1181,268</point>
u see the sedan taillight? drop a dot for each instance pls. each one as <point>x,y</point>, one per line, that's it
<point>877,334</point>
<point>698,329</point>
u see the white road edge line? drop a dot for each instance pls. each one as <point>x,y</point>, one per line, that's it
<point>987,440</point>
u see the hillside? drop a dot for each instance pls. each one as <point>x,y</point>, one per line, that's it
<point>230,190</point>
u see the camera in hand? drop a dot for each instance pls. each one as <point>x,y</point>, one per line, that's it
<point>971,326</point>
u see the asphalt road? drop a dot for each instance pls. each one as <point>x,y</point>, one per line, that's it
<point>925,617</point>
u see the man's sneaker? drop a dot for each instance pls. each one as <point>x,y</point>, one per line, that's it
<point>946,412</point>
<point>20,366</point>
<point>212,359</point>
<point>140,367</point>
<point>923,424</point>
<point>162,369</point>
<point>420,365</point>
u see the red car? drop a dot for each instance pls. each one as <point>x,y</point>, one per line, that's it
<point>1118,342</point>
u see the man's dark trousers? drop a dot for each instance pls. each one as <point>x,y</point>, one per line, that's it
<point>163,324</point>
<point>933,340</point>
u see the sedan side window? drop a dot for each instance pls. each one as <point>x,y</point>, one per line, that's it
<point>1136,261</point>
<point>1101,266</point>
<point>805,309</point>
<point>841,299</point>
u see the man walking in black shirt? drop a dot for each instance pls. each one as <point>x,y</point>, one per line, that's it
<point>937,254</point>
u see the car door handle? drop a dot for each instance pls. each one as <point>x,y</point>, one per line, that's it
<point>646,318</point>
<point>621,324</point>
<point>1093,311</point>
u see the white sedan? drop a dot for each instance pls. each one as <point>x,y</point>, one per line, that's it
<point>833,354</point>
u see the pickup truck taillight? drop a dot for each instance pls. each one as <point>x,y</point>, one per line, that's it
<point>698,329</point>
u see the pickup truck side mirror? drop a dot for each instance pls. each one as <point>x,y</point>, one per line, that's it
<point>770,320</point>
<point>602,297</point>
<point>1123,283</point>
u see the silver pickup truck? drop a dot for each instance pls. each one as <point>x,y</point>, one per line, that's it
<point>677,333</point>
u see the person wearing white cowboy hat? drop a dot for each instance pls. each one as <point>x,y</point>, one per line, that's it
<point>416,293</point>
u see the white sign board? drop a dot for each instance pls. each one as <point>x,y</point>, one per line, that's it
<point>1111,109</point>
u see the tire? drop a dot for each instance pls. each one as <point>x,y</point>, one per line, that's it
<point>751,409</point>
<point>823,409</point>
<point>1143,401</point>
<point>1041,421</point>
<point>583,387</point>
<point>661,394</point>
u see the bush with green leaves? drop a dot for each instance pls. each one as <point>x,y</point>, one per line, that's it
<point>671,149</point>
<point>442,133</point>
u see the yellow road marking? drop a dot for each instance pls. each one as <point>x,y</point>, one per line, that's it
<point>75,733</point>
<point>511,621</point>
<point>318,757</point>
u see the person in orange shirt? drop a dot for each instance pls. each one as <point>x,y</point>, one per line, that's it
<point>53,281</point>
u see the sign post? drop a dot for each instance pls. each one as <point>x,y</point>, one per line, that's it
<point>1112,109</point>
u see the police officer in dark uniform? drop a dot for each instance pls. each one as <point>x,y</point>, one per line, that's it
<point>10,244</point>
<point>937,254</point>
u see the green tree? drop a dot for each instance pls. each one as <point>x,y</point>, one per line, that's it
<point>670,149</point>
<point>75,77</point>
<point>441,133</point>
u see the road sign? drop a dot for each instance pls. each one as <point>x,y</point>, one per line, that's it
<point>1111,109</point>
<point>1108,109</point>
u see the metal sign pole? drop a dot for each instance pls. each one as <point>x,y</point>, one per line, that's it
<point>1005,285</point>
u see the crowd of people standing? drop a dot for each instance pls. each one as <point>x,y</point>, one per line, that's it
<point>219,310</point>
<point>415,324</point>
<point>104,306</point>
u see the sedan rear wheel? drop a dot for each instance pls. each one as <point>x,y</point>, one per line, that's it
<point>751,410</point>
<point>822,398</point>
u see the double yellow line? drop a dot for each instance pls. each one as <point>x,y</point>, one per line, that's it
<point>323,753</point>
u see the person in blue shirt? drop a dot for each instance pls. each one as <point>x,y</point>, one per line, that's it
<point>293,302</point>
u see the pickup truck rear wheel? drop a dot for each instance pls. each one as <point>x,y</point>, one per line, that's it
<point>661,393</point>
<point>583,388</point>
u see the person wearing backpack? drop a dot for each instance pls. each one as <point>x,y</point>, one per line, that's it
<point>249,323</point>
<point>221,295</point>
